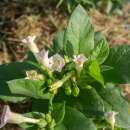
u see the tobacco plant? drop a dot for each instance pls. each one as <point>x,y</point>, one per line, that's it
<point>71,86</point>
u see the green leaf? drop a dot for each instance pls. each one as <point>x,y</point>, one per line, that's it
<point>79,36</point>
<point>14,70</point>
<point>101,51</point>
<point>75,120</point>
<point>58,112</point>
<point>90,103</point>
<point>92,69</point>
<point>112,96</point>
<point>119,60</point>
<point>31,88</point>
<point>58,42</point>
<point>7,96</point>
<point>60,127</point>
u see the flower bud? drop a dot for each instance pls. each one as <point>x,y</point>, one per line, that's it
<point>110,117</point>
<point>42,123</point>
<point>48,118</point>
<point>68,90</point>
<point>75,91</point>
<point>29,42</point>
<point>56,85</point>
<point>33,75</point>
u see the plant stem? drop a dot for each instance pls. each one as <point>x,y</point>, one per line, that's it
<point>112,127</point>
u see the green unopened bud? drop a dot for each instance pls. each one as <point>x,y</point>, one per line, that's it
<point>42,123</point>
<point>75,91</point>
<point>68,90</point>
<point>48,118</point>
<point>49,82</point>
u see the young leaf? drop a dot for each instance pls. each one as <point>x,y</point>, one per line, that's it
<point>30,88</point>
<point>92,69</point>
<point>119,60</point>
<point>79,36</point>
<point>75,120</point>
<point>101,51</point>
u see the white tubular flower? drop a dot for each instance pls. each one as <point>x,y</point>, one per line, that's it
<point>43,58</point>
<point>14,118</point>
<point>56,62</point>
<point>110,117</point>
<point>29,42</point>
<point>80,60</point>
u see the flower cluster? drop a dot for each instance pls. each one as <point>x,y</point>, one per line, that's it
<point>55,62</point>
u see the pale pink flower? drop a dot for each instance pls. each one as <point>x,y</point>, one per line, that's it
<point>14,118</point>
<point>79,60</point>
<point>56,62</point>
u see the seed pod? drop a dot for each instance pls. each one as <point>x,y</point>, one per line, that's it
<point>75,91</point>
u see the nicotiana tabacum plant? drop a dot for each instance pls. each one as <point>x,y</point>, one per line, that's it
<point>71,86</point>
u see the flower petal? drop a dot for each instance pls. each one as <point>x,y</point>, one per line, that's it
<point>5,116</point>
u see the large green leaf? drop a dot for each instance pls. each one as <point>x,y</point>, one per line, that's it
<point>112,96</point>
<point>7,96</point>
<point>119,60</point>
<point>90,103</point>
<point>14,70</point>
<point>58,42</point>
<point>75,120</point>
<point>79,36</point>
<point>58,112</point>
<point>101,51</point>
<point>30,88</point>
